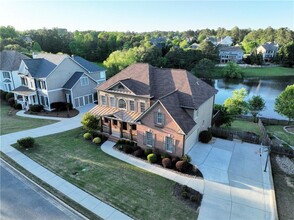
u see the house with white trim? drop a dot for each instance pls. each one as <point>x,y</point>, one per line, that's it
<point>162,109</point>
<point>49,78</point>
<point>9,65</point>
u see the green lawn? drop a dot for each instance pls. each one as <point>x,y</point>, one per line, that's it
<point>12,123</point>
<point>139,193</point>
<point>268,71</point>
<point>278,131</point>
<point>253,72</point>
<point>246,126</point>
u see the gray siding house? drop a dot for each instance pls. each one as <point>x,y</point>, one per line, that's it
<point>49,78</point>
<point>268,51</point>
<point>9,64</point>
<point>230,54</point>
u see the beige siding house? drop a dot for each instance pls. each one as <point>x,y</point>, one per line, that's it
<point>49,78</point>
<point>163,109</point>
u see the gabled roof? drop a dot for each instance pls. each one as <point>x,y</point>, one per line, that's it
<point>73,80</point>
<point>230,49</point>
<point>11,59</point>
<point>23,90</point>
<point>89,66</point>
<point>270,46</point>
<point>53,58</point>
<point>39,68</point>
<point>146,80</point>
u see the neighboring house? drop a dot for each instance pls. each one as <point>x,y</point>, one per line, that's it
<point>158,108</point>
<point>268,51</point>
<point>9,64</point>
<point>222,41</point>
<point>49,78</point>
<point>230,54</point>
<point>158,42</point>
<point>194,46</point>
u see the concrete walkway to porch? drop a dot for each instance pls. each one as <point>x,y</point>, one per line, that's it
<point>85,199</point>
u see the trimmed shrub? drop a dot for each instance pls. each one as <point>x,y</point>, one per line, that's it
<point>18,106</point>
<point>128,149</point>
<point>97,140</point>
<point>182,166</point>
<point>139,153</point>
<point>26,142</point>
<point>184,194</point>
<point>152,158</point>
<point>164,155</point>
<point>186,158</point>
<point>9,95</point>
<point>11,102</point>
<point>3,95</point>
<point>175,160</point>
<point>166,162</point>
<point>196,198</point>
<point>148,151</point>
<point>87,136</point>
<point>36,108</point>
<point>205,136</point>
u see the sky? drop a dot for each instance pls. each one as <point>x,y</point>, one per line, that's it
<point>144,16</point>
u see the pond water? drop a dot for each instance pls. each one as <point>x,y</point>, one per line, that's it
<point>267,88</point>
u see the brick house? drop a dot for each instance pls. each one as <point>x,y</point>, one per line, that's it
<point>156,107</point>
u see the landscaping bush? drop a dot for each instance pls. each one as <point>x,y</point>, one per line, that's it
<point>87,136</point>
<point>139,153</point>
<point>9,95</point>
<point>18,106</point>
<point>36,108</point>
<point>3,94</point>
<point>175,160</point>
<point>97,140</point>
<point>148,151</point>
<point>128,149</point>
<point>205,136</point>
<point>166,162</point>
<point>11,102</point>
<point>26,142</point>
<point>182,166</point>
<point>59,106</point>
<point>184,194</point>
<point>152,158</point>
<point>164,155</point>
<point>196,198</point>
<point>186,158</point>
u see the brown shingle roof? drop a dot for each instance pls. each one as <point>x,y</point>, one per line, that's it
<point>175,88</point>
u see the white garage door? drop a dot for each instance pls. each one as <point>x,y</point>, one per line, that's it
<point>191,140</point>
<point>83,100</point>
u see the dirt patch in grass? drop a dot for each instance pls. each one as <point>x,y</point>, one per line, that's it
<point>284,189</point>
<point>60,114</point>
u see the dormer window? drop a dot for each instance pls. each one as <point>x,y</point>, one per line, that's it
<point>122,104</point>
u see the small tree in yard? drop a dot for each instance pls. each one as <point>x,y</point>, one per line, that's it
<point>236,105</point>
<point>255,105</point>
<point>284,104</point>
<point>232,70</point>
<point>224,117</point>
<point>90,122</point>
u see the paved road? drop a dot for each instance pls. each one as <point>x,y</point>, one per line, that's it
<point>21,199</point>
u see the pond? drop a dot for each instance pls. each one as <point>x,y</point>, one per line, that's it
<point>268,88</point>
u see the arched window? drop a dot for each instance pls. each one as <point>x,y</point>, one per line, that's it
<point>122,104</point>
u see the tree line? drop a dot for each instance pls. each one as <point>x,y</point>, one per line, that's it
<point>159,48</point>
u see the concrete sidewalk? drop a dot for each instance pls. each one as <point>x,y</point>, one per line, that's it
<point>91,203</point>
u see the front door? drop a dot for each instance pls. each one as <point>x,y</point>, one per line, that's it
<point>115,128</point>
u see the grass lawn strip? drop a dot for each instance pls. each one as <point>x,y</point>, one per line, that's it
<point>137,192</point>
<point>50,189</point>
<point>246,126</point>
<point>278,131</point>
<point>10,123</point>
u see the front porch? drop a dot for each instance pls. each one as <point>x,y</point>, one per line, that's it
<point>25,96</point>
<point>116,122</point>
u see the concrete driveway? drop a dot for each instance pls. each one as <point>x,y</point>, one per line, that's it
<point>235,184</point>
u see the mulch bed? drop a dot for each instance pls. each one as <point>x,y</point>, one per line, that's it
<point>60,114</point>
<point>185,193</point>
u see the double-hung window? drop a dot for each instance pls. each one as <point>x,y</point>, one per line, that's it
<point>6,75</point>
<point>169,144</point>
<point>132,105</point>
<point>84,81</point>
<point>112,101</point>
<point>103,100</point>
<point>149,139</point>
<point>142,106</point>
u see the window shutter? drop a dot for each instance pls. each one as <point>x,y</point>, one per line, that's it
<point>144,138</point>
<point>154,137</point>
<point>174,145</point>
<point>163,119</point>
<point>155,117</point>
<point>164,143</point>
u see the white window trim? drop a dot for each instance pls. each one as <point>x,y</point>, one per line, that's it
<point>124,101</point>
<point>172,142</point>
<point>102,100</point>
<point>149,132</point>
<point>114,101</point>
<point>87,81</point>
<point>132,100</point>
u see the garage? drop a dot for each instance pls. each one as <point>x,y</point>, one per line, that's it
<point>83,100</point>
